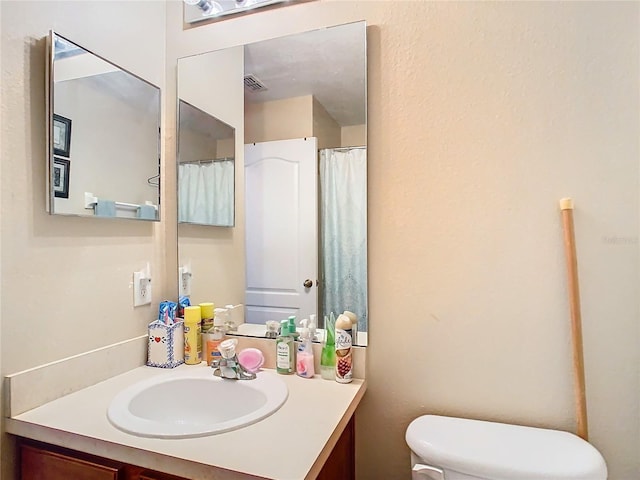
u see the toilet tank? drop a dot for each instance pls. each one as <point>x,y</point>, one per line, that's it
<point>477,450</point>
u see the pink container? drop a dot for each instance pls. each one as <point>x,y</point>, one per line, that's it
<point>251,359</point>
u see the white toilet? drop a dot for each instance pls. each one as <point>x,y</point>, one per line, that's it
<point>448,448</point>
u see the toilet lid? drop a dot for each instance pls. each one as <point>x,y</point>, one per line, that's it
<point>498,451</point>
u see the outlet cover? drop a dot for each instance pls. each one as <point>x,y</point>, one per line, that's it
<point>184,281</point>
<point>141,289</point>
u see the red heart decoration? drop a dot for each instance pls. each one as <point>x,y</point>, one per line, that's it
<point>157,339</point>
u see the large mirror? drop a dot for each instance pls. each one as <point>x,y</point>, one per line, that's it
<point>304,178</point>
<point>104,137</point>
<point>206,166</point>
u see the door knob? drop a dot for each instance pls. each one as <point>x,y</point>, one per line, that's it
<point>308,283</point>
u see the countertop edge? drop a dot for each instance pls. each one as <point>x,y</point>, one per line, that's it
<point>146,457</point>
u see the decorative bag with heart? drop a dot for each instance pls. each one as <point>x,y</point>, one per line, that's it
<point>166,344</point>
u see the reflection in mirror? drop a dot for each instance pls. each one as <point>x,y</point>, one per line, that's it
<point>206,165</point>
<point>304,105</point>
<point>104,129</point>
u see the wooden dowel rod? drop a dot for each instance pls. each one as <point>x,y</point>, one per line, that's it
<point>566,207</point>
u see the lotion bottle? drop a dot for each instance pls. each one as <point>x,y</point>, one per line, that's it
<point>304,362</point>
<point>285,351</point>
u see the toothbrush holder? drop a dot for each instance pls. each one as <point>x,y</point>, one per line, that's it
<point>166,344</point>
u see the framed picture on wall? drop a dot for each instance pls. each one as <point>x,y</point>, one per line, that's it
<point>61,135</point>
<point>61,177</point>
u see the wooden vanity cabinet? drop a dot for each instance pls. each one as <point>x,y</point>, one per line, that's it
<point>341,464</point>
<point>40,461</point>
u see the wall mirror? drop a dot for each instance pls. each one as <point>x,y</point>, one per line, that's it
<point>206,166</point>
<point>104,137</point>
<point>304,96</point>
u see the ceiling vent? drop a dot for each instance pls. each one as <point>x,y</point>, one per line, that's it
<point>253,84</point>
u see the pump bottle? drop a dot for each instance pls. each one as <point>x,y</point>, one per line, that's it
<point>304,363</point>
<point>285,350</point>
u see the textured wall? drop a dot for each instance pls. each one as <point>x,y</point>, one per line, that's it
<point>64,280</point>
<point>481,116</point>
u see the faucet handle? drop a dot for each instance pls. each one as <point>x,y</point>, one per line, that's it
<point>227,348</point>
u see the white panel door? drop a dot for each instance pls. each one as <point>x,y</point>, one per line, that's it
<point>281,229</point>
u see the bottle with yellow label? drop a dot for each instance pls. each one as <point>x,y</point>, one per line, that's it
<point>192,336</point>
<point>206,314</point>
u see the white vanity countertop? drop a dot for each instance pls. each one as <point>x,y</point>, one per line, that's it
<point>293,443</point>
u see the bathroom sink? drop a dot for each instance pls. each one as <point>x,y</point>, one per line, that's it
<point>192,402</point>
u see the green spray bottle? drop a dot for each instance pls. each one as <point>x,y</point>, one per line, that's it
<point>328,355</point>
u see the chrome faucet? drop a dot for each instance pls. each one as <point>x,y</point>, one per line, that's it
<point>228,366</point>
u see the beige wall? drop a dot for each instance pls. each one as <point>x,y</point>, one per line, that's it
<point>295,117</point>
<point>215,255</point>
<point>226,147</point>
<point>279,119</point>
<point>325,128</point>
<point>68,278</point>
<point>353,136</point>
<point>195,145</point>
<point>481,116</point>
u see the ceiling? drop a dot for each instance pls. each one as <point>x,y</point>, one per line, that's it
<point>329,64</point>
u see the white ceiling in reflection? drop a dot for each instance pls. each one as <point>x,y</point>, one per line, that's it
<point>327,63</point>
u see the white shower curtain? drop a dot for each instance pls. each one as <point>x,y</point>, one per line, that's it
<point>343,224</point>
<point>206,192</point>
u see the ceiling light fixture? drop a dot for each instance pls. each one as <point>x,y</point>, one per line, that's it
<point>197,10</point>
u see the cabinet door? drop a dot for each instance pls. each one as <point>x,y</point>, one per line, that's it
<point>40,464</point>
<point>151,475</point>
<point>341,464</point>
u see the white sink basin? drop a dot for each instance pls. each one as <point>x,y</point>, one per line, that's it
<point>192,402</point>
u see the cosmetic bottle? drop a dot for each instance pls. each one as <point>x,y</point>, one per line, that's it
<point>192,336</point>
<point>328,355</point>
<point>313,334</point>
<point>210,342</point>
<point>206,314</point>
<point>285,350</point>
<point>304,361</point>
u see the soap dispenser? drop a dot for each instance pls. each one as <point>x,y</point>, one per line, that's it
<point>304,362</point>
<point>285,350</point>
<point>313,334</point>
<point>292,327</point>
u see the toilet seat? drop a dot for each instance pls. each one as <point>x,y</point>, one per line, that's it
<point>498,451</point>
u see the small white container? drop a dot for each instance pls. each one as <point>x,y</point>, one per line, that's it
<point>166,344</point>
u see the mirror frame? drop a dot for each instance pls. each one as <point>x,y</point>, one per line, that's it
<point>49,111</point>
<point>362,339</point>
